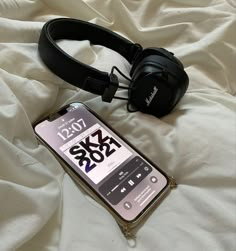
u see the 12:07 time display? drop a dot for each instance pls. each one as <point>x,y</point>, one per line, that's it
<point>67,133</point>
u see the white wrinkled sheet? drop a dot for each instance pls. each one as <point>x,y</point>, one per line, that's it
<point>41,208</point>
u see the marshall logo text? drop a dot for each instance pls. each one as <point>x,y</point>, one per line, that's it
<point>152,95</point>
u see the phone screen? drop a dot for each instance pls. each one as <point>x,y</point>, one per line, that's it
<point>114,170</point>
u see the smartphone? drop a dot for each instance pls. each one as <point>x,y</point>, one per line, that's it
<point>103,162</point>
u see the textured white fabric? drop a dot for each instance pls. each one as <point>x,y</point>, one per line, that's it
<point>41,209</point>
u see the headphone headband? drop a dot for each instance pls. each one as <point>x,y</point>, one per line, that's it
<point>74,71</point>
<point>158,80</point>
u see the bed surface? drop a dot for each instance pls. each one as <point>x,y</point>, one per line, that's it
<point>41,208</point>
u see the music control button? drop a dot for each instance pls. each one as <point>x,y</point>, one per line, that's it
<point>146,168</point>
<point>127,205</point>
<point>131,183</point>
<point>153,179</point>
<point>125,180</point>
<point>123,189</point>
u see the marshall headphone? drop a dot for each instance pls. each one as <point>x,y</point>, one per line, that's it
<point>157,77</point>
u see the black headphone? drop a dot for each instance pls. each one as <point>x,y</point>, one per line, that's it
<point>158,80</point>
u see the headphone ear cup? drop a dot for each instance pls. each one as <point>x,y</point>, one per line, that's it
<point>150,94</point>
<point>168,55</point>
<point>158,84</point>
<point>157,63</point>
<point>161,52</point>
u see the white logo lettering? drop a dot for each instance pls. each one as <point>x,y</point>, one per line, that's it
<point>152,95</point>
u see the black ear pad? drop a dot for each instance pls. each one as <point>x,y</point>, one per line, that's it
<point>167,54</point>
<point>158,62</point>
<point>158,83</point>
<point>158,52</point>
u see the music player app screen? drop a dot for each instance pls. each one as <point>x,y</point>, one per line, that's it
<point>108,164</point>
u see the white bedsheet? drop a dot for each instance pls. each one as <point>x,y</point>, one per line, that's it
<point>41,208</point>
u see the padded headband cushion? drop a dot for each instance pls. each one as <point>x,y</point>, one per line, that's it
<point>74,71</point>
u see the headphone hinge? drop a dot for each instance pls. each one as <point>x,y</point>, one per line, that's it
<point>111,89</point>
